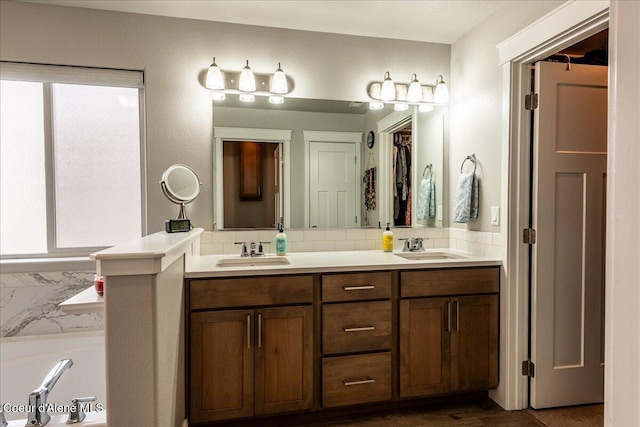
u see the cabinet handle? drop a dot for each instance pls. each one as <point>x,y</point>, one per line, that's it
<point>248,331</point>
<point>358,288</point>
<point>358,328</point>
<point>457,327</point>
<point>369,380</point>
<point>448,316</point>
<point>259,330</point>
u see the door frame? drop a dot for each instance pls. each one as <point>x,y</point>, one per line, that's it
<point>280,136</point>
<point>571,22</point>
<point>321,136</point>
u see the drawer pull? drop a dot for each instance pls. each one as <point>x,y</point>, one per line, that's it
<point>248,331</point>
<point>369,380</point>
<point>358,288</point>
<point>358,328</point>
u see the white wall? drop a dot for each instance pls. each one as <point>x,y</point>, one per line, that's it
<point>622,332</point>
<point>476,106</point>
<point>174,53</point>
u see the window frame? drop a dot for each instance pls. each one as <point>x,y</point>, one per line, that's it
<point>59,74</point>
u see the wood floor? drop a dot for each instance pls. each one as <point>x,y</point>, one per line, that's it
<point>478,413</point>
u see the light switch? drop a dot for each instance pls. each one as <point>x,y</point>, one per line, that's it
<point>439,212</point>
<point>495,215</point>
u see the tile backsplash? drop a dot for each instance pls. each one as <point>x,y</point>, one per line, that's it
<point>354,239</point>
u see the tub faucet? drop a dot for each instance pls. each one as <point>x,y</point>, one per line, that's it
<point>38,415</point>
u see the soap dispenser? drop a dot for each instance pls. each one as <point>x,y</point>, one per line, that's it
<point>387,240</point>
<point>281,241</point>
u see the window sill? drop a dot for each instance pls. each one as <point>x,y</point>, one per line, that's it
<point>38,265</point>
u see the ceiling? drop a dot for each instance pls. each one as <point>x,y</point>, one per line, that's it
<point>442,21</point>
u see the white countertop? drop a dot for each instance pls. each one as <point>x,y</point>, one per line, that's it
<point>324,262</point>
<point>152,246</point>
<point>87,301</point>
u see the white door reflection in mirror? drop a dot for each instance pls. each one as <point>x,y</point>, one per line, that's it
<point>332,160</point>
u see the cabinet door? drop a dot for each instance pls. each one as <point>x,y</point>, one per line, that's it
<point>221,365</point>
<point>284,359</point>
<point>474,343</point>
<point>424,346</point>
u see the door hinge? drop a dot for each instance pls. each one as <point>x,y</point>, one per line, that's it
<point>529,236</point>
<point>356,219</point>
<point>528,368</point>
<point>531,101</point>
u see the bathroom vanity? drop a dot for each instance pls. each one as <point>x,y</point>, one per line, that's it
<point>221,338</point>
<point>329,330</point>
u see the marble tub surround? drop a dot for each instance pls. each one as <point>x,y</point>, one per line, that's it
<point>29,303</point>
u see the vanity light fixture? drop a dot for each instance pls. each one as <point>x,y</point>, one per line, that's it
<point>388,90</point>
<point>214,77</point>
<point>248,85</point>
<point>403,95</point>
<point>441,92</point>
<point>247,81</point>
<point>414,94</point>
<point>279,82</point>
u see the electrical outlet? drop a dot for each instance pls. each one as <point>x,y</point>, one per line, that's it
<point>495,215</point>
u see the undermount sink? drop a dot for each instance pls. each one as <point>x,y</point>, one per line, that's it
<point>252,261</point>
<point>424,256</point>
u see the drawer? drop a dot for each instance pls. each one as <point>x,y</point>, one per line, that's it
<point>249,292</point>
<point>452,281</point>
<point>351,380</point>
<point>357,326</point>
<point>356,286</point>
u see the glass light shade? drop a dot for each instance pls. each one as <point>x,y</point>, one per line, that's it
<point>441,92</point>
<point>374,105</point>
<point>247,81</point>
<point>414,94</point>
<point>401,107</point>
<point>218,96</point>
<point>247,97</point>
<point>279,81</point>
<point>425,108</point>
<point>275,99</point>
<point>388,90</point>
<point>214,77</point>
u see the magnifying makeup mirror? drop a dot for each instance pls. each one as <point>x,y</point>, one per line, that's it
<point>181,185</point>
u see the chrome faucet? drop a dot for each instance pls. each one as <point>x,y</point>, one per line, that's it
<point>38,415</point>
<point>413,245</point>
<point>252,251</point>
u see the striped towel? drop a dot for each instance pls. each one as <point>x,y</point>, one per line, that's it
<point>466,202</point>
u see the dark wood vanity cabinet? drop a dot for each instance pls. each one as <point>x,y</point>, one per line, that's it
<point>250,361</point>
<point>290,343</point>
<point>357,332</point>
<point>448,331</point>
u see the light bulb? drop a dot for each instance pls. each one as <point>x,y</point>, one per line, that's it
<point>401,107</point>
<point>425,108</point>
<point>275,99</point>
<point>218,96</point>
<point>247,80</point>
<point>374,105</point>
<point>441,92</point>
<point>214,77</point>
<point>414,94</point>
<point>247,97</point>
<point>279,81</point>
<point>388,91</point>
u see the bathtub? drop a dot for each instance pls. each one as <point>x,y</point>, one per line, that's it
<point>25,361</point>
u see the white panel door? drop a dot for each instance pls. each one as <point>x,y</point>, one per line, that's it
<point>332,185</point>
<point>569,184</point>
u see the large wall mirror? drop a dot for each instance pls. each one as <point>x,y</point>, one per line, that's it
<point>307,163</point>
